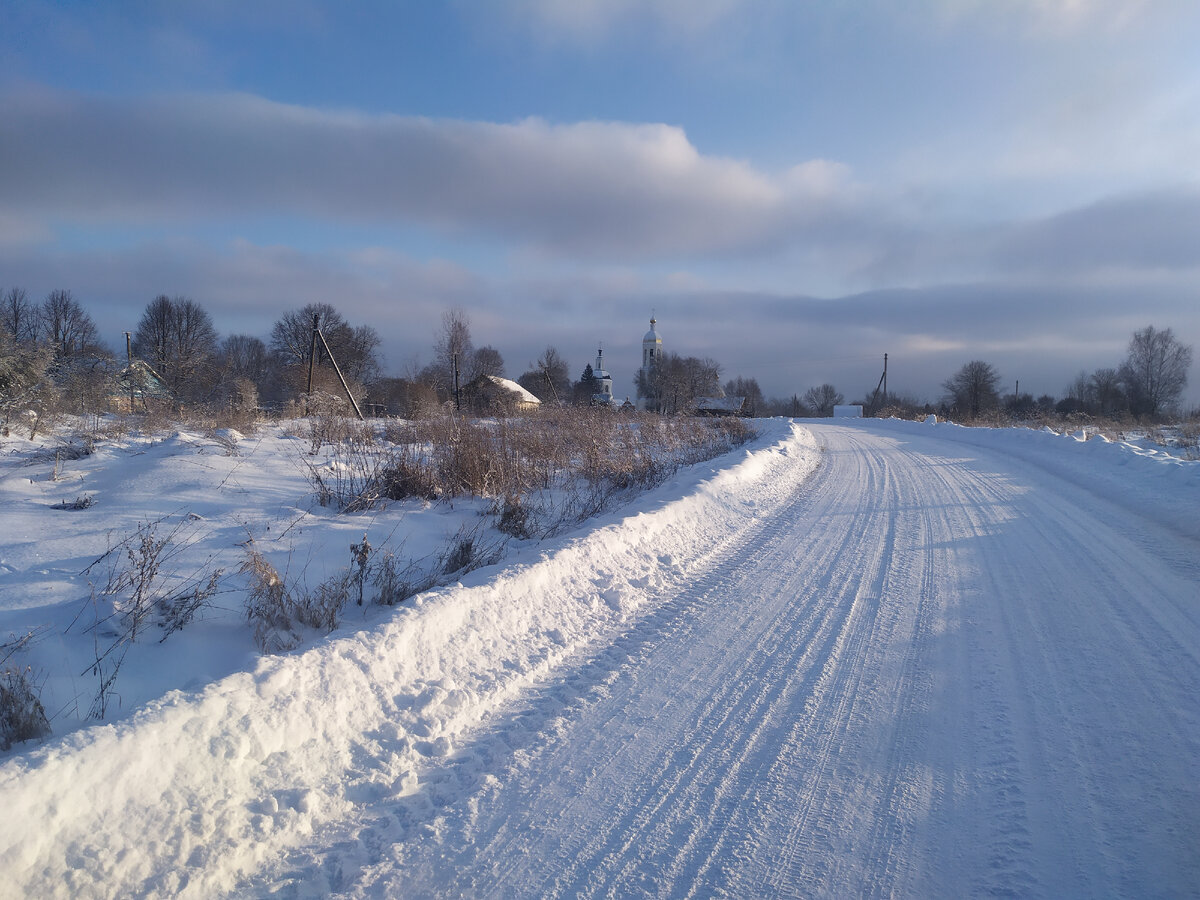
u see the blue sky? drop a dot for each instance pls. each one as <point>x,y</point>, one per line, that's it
<point>793,188</point>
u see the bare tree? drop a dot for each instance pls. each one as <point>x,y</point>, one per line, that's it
<point>822,399</point>
<point>1106,392</point>
<point>485,361</point>
<point>749,389</point>
<point>177,338</point>
<point>68,329</point>
<point>548,379</point>
<point>974,389</point>
<point>359,347</point>
<point>20,317</point>
<point>452,347</point>
<point>245,356</point>
<point>1154,373</point>
<point>354,349</point>
<point>291,335</point>
<point>674,383</point>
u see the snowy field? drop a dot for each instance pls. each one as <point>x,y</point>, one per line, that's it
<point>870,658</point>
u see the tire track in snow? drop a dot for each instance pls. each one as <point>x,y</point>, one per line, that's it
<point>899,690</point>
<point>685,816</point>
<point>933,673</point>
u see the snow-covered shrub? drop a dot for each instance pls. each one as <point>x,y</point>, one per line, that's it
<point>22,717</point>
<point>514,518</point>
<point>83,501</point>
<point>1189,440</point>
<point>321,607</point>
<point>409,475</point>
<point>354,478</point>
<point>138,590</point>
<point>177,611</point>
<point>395,581</point>
<point>268,605</point>
<point>274,609</point>
<point>460,556</point>
<point>329,422</point>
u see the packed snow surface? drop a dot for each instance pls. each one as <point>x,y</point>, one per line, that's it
<point>871,658</point>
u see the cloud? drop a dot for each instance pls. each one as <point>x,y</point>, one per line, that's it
<point>589,21</point>
<point>590,188</point>
<point>1045,18</point>
<point>1149,231</point>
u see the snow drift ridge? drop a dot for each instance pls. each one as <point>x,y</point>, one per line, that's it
<point>197,790</point>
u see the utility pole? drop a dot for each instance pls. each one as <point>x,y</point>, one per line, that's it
<point>341,378</point>
<point>457,396</point>
<point>129,366</point>
<point>312,358</point>
<point>882,386</point>
<point>550,383</point>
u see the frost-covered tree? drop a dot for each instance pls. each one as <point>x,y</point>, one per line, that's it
<point>24,384</point>
<point>822,399</point>
<point>175,335</point>
<point>974,389</point>
<point>1155,371</point>
<point>19,316</point>
<point>68,329</point>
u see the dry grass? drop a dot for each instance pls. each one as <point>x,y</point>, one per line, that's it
<point>587,458</point>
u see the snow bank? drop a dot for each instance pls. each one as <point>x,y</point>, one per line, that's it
<point>196,790</point>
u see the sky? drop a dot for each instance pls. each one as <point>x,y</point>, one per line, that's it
<point>792,188</point>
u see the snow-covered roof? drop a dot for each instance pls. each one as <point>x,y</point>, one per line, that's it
<point>723,404</point>
<point>519,393</point>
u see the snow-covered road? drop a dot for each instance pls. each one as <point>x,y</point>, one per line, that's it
<point>941,663</point>
<point>935,672</point>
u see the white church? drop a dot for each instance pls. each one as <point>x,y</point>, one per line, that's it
<point>652,355</point>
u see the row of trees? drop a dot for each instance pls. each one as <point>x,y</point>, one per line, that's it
<point>1146,385</point>
<point>54,346</point>
<point>177,337</point>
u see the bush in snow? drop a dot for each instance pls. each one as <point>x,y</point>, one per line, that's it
<point>22,717</point>
<point>268,605</point>
<point>274,610</point>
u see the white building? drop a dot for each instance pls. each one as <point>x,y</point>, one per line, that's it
<point>652,355</point>
<point>604,394</point>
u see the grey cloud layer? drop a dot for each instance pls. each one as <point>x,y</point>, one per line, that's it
<point>589,188</point>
